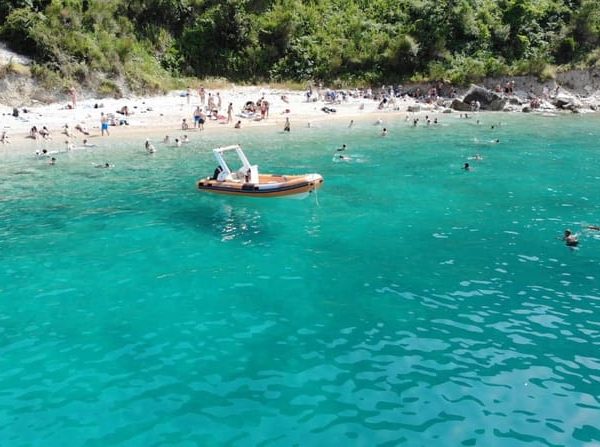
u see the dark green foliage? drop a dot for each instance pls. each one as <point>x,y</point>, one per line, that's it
<point>342,40</point>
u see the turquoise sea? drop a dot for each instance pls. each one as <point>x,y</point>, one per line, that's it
<point>409,303</point>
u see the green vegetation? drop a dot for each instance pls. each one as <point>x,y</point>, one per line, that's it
<point>149,45</point>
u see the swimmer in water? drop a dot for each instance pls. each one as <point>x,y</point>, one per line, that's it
<point>343,148</point>
<point>570,239</point>
<point>149,147</point>
<point>105,165</point>
<point>467,167</point>
<point>52,161</point>
<point>384,132</point>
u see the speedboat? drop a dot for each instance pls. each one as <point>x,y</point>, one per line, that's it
<point>247,181</point>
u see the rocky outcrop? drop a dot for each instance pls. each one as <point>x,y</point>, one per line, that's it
<point>566,101</point>
<point>460,106</point>
<point>487,99</point>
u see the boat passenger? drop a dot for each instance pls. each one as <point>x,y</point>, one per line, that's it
<point>218,170</point>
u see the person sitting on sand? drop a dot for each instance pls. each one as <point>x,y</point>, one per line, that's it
<point>4,138</point>
<point>33,133</point>
<point>124,111</point>
<point>238,125</point>
<point>570,239</point>
<point>45,133</point>
<point>67,130</point>
<point>184,124</point>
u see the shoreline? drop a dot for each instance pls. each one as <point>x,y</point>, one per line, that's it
<point>157,116</point>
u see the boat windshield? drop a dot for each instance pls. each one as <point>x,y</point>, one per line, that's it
<point>233,161</point>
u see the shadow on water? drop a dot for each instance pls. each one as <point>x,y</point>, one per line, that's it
<point>228,221</point>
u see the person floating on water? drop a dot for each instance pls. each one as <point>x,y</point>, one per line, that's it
<point>570,239</point>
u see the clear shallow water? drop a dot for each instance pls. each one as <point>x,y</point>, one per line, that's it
<point>412,303</point>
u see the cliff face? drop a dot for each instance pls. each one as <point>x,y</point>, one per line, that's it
<point>579,82</point>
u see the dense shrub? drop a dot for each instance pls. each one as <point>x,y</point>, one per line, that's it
<point>147,42</point>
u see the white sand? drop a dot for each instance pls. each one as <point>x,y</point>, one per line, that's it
<point>155,117</point>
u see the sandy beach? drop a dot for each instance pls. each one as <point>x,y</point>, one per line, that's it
<point>158,116</point>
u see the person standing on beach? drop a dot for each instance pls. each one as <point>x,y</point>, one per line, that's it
<point>211,102</point>
<point>188,95</point>
<point>202,94</point>
<point>219,101</point>
<point>197,114</point>
<point>286,127</point>
<point>104,124</point>
<point>230,113</point>
<point>73,94</point>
